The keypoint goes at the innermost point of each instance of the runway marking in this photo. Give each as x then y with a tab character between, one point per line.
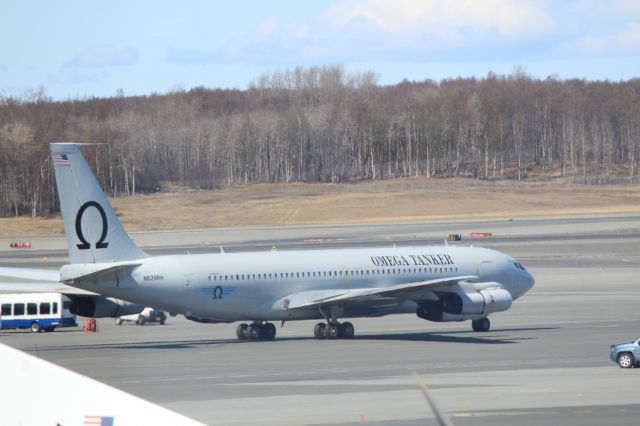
512	413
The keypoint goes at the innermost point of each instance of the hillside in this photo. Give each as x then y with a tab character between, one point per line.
412	199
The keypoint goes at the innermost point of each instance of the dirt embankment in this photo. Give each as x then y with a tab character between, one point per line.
413	199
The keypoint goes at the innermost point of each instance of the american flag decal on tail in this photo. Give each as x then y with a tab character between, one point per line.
98	421
60	159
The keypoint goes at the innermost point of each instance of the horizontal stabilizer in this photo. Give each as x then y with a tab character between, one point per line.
48	275
76	273
43	287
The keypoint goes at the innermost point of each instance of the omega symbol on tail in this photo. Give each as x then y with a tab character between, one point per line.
105	227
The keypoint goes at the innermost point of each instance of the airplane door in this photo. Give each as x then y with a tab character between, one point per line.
477	269
188	284
348	281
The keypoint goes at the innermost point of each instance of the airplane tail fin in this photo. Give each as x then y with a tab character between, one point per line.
94	233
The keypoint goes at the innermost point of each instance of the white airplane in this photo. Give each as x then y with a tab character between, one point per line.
109	275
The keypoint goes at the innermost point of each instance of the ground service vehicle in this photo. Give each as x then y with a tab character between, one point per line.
626	355
146	316
37	311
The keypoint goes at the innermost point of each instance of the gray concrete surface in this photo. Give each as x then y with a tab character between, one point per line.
544	361
380	232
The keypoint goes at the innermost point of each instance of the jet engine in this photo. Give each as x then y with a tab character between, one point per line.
102	307
460	306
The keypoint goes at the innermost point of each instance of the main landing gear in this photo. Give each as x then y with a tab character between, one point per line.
256	331
482	324
334	330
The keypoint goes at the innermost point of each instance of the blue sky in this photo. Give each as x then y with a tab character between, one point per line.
76	49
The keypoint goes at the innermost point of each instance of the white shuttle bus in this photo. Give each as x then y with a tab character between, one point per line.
37	311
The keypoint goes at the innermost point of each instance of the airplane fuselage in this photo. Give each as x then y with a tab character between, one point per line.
259	285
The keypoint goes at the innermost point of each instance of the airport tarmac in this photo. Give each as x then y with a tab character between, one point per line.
544	361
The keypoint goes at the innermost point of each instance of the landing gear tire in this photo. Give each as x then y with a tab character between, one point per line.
35	327
118	321
482	324
254	332
625	360
268	331
348	330
241	331
333	331
319	331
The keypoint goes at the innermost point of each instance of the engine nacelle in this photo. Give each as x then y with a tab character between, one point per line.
102	307
457	307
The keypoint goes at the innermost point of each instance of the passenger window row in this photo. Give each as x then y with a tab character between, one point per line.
332	274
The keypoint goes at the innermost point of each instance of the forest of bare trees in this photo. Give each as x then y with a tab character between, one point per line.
321	124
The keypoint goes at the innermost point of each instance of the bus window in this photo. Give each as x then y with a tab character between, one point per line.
66	305
32	309
18	309
45	308
55	307
6	309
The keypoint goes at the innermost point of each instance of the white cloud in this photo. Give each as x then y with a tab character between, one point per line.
75	77
626	40
266	28
191	57
446	19
298	29
616	8
103	56
428	31
352	30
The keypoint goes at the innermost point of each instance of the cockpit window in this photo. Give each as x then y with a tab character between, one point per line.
519	266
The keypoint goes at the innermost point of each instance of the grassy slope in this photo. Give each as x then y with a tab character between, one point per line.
400	200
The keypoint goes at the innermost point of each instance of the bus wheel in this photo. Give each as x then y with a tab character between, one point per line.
35	327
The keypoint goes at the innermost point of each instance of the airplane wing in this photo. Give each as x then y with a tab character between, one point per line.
39	281
96	404
399	291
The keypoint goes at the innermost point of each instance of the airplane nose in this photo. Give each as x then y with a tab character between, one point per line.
529	281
